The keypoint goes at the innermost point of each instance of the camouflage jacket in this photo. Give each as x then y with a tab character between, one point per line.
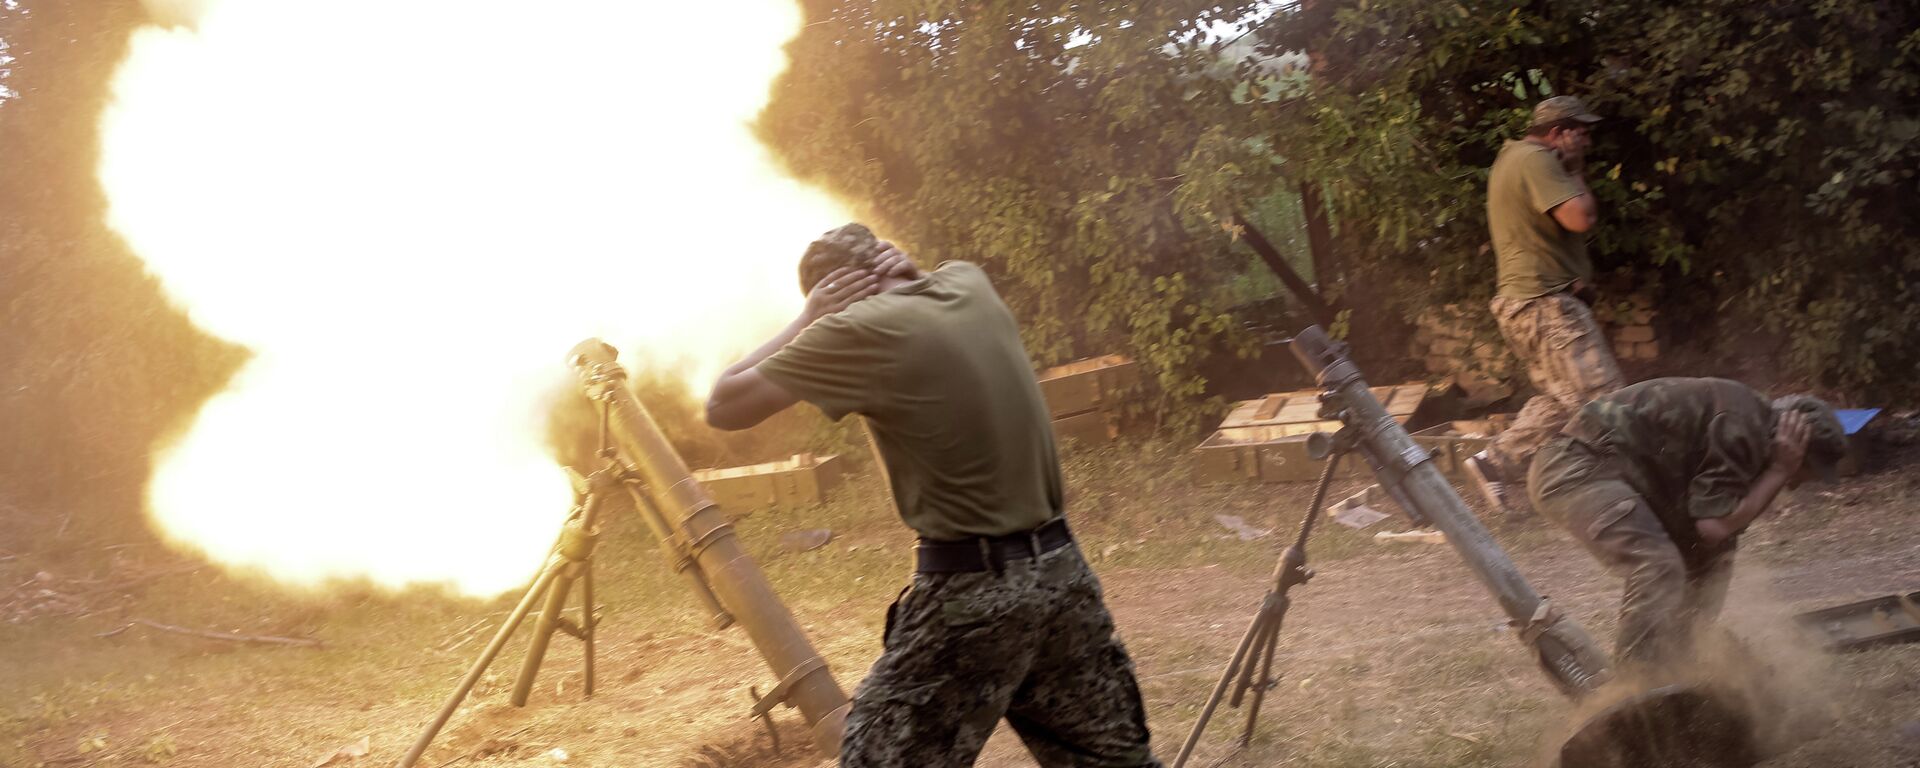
1691	447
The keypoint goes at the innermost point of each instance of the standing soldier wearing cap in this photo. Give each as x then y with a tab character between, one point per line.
1658	480
1003	617
1539	211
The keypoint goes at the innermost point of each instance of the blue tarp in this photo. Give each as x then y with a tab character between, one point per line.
1853	419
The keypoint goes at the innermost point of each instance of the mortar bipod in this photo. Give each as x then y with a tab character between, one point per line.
570	560
1251	668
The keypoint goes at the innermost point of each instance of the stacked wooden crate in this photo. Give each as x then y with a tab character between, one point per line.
1083	396
1452	442
1265	440
792	482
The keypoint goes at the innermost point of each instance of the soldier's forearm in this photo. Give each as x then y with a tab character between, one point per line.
1716	531
781	339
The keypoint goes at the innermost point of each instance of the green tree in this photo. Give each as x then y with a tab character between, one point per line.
1758	163
1045	141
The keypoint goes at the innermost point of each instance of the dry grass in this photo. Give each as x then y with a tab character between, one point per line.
1391	656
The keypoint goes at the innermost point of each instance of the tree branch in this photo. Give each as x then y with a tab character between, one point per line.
1315	305
207	634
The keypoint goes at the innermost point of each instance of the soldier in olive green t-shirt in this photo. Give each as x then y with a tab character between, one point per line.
1539	212
1003	617
1537	253
937	367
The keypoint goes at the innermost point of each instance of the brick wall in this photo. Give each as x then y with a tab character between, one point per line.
1628	323
1460	343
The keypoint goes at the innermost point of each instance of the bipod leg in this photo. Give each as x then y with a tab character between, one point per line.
1257	646
1265	657
543	629
1261	642
519	614
574	548
1254	630
587	621
588	500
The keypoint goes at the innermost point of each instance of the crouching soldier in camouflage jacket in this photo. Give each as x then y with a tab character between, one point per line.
1003	617
1659	479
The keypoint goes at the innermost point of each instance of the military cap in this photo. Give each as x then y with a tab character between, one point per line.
1826	439
1562	108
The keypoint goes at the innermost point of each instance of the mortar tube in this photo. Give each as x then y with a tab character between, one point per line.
1564	649
736	579
678	558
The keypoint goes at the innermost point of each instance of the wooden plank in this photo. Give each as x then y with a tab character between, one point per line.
1089	427
1269	407
1303	407
796	481
1262	454
1085	385
1299	410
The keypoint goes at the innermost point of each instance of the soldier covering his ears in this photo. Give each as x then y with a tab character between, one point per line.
1539	212
1003	618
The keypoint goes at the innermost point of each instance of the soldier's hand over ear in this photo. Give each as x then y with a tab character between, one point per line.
893	262
1790	442
839	290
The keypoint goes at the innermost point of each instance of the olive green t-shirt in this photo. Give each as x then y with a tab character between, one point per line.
1536	256
937	369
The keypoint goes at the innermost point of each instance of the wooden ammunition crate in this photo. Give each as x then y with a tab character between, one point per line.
1299	412
1095	383
1451	443
797	481
1089	427
1261	455
1265	440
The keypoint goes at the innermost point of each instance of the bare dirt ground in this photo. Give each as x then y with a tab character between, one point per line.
1392	656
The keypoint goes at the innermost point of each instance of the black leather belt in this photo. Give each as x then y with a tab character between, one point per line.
990	553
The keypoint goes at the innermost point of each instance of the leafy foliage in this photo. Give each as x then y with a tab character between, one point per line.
1044	141
1758	163
1757	167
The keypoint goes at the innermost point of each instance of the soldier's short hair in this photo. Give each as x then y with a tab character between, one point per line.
848	245
1826	438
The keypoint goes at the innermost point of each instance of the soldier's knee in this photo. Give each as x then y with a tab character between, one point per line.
1656	574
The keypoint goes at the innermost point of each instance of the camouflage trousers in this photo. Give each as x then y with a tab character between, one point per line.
1568	360
1670	591
1033	644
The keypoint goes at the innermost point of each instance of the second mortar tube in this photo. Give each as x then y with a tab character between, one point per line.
1568	654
